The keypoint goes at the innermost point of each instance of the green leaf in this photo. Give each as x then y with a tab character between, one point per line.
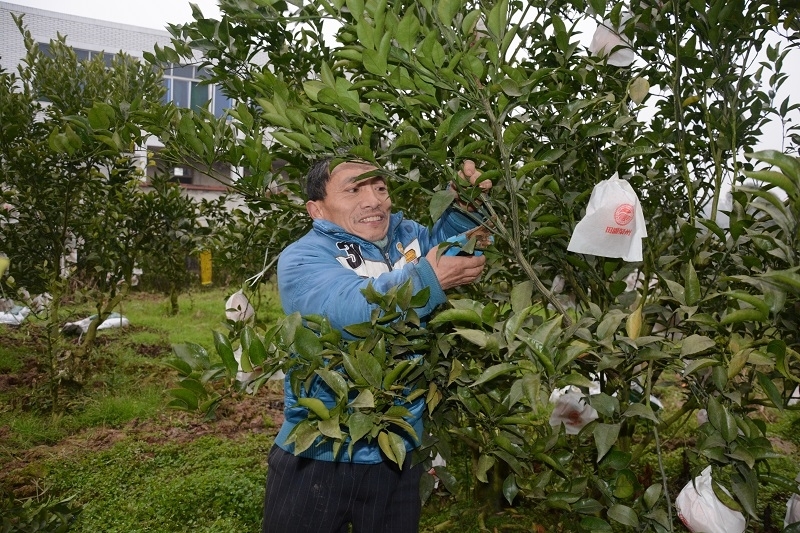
745	492
511	88
312	88
223	346
256	351
652	495
364	400
498	19
100	115
182	367
773	178
625	484
356	8
695	344
596	129
470	21
407	31
188	397
699	364
192	354
475	336
642	411
495	371
447	10
691	287
370	368
304	436
307	344
449	481
605	436
599	7
457	315
440	201
588	506
335	381
421	298
458	122
624	515
756	301
330	428
393	446
374	62
789	165
301	140
742	315
721	419
637	151
610	324
788	279
521	296
510	488
770	390
359	425
362	330
595	525
604	404
485	463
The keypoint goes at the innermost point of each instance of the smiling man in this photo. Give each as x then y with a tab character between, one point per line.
355	240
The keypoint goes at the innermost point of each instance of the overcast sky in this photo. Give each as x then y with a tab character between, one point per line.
147	13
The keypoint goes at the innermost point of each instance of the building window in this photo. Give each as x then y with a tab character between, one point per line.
81	53
185	89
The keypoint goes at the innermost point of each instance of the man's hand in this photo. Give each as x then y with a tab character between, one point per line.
470	173
455	270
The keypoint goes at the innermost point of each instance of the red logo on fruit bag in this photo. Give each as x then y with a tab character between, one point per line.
624	214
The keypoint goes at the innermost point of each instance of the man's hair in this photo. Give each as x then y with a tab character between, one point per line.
317	179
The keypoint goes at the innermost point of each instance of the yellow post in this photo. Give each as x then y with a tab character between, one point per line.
205	267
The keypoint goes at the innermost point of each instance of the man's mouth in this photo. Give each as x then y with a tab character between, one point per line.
371	219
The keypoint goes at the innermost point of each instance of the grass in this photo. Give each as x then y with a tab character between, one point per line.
127	462
210	484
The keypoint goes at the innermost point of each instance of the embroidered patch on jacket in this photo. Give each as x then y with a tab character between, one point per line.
411	253
354	260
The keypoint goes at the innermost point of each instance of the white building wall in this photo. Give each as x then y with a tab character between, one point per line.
80	32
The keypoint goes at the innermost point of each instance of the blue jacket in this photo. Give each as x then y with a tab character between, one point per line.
324	272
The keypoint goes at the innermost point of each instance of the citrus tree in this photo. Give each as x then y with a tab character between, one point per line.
419	87
78	219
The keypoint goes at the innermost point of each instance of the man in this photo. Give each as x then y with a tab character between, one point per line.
355	240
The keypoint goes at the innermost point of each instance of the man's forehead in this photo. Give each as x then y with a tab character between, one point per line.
350	172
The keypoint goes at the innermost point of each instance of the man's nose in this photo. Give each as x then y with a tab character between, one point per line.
371	198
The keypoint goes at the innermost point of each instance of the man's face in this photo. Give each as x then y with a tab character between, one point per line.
360	206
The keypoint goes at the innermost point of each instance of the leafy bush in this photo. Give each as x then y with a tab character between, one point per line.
34	515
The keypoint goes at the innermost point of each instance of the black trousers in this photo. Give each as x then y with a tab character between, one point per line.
310	496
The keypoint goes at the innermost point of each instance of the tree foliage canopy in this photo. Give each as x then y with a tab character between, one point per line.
419	87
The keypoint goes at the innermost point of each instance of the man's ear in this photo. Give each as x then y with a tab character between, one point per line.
314	209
